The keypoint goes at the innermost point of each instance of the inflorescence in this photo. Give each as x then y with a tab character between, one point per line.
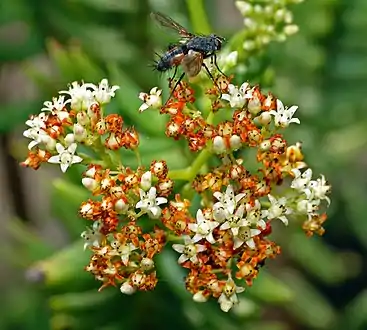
136	213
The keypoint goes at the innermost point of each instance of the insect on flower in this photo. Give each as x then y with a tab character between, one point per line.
190	52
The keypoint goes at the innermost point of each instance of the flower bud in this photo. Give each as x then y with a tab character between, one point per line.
121	206
199	297
80	133
49	142
218	145
147	264
291	29
69	139
265	145
235	142
146	180
82	118
264	119
127	288
90	184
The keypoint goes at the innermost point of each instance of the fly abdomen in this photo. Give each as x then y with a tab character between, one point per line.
171	58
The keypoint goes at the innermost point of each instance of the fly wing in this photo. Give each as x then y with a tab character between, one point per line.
192	63
169	23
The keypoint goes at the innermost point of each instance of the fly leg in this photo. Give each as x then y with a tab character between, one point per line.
214	60
177	83
212	78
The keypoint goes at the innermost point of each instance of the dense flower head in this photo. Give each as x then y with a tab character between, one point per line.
225	241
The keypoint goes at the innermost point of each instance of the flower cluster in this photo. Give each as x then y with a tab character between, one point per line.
135	213
76	118
266	21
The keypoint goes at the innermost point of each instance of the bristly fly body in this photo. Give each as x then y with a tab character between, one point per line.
190	52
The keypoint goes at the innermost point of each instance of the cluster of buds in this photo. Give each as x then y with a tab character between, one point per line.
266	21
136	213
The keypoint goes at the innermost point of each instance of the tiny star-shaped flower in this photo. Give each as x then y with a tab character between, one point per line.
66	156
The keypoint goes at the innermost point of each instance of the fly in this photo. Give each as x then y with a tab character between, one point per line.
190	52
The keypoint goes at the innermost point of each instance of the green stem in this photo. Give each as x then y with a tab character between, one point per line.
190	172
198	17
138	157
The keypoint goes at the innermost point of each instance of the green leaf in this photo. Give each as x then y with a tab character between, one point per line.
355	316
64	270
16	113
329	266
65	204
269	289
88	300
29	244
308	305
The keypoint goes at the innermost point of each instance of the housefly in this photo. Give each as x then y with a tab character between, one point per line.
189	52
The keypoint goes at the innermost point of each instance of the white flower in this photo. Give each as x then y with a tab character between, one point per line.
57	107
254	215
153	99
226	204
308	207
235	221
92	236
203	229
319	188
245	235
103	93
81	97
301	180
122	250
283	116
36	131
189	250
149	202
237	97
65	157
228	298
277	209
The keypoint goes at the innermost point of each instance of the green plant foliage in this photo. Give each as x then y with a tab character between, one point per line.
323	69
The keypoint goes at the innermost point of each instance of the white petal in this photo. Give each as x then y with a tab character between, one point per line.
139	205
76	159
182	258
160	200
64	167
226	97
60	148
143	107
251	243
200	248
199	216
238	242
193	227
210	238
54	159
197	238
225	226
284	220
155	211
178	247
32	144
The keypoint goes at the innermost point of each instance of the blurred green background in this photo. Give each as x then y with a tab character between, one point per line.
317	283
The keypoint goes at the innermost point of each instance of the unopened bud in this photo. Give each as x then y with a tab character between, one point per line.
127	288
90	184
